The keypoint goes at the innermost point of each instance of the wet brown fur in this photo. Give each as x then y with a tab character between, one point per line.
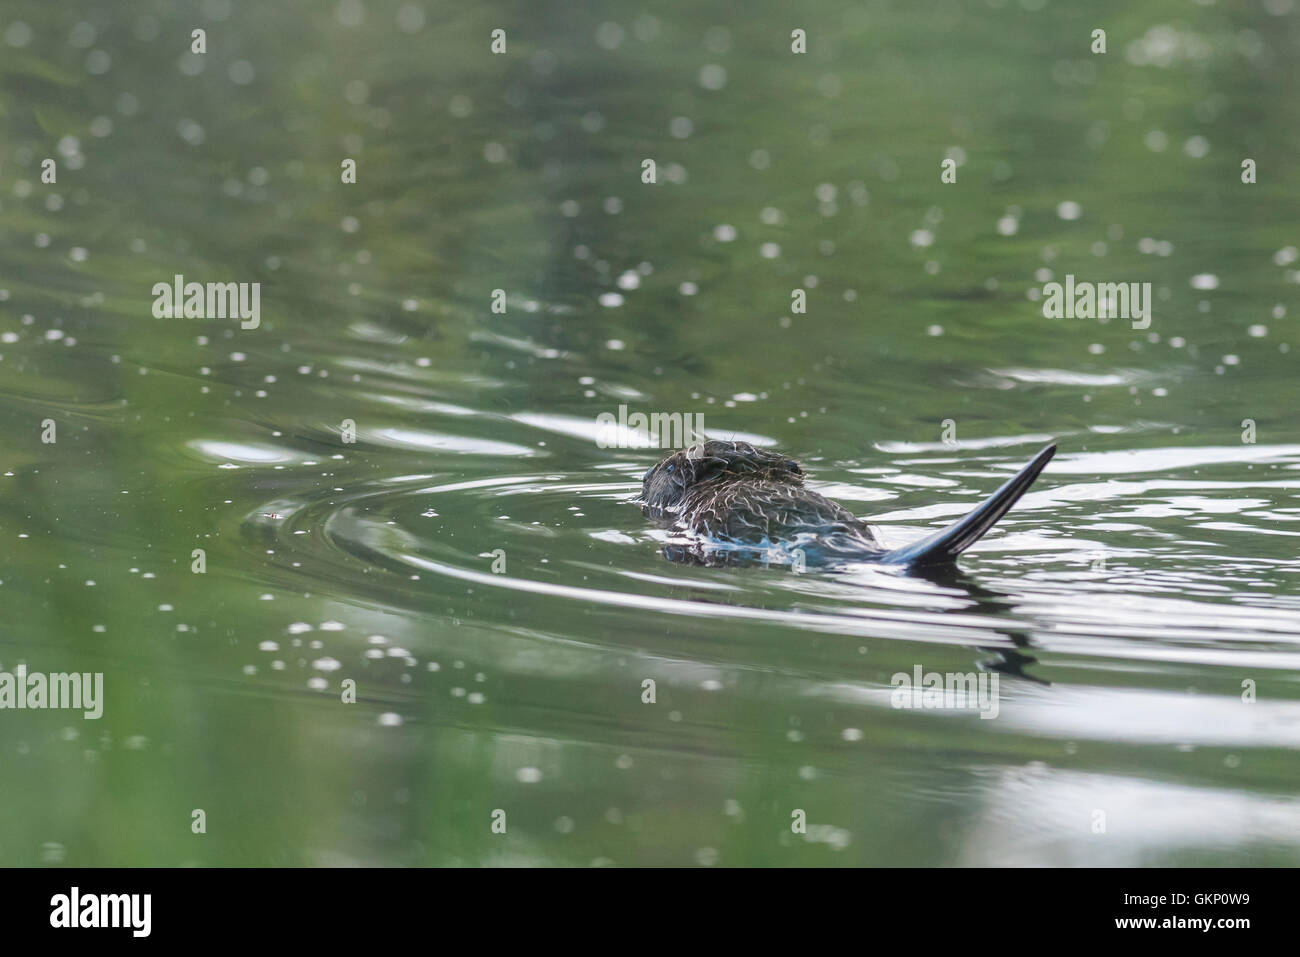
732	493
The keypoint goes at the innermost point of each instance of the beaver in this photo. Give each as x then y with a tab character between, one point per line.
733	502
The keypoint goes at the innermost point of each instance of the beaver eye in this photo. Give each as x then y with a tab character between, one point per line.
670	468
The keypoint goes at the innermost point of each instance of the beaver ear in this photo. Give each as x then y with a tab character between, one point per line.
709	467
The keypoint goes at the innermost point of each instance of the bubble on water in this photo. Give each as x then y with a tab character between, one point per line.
331	626
18	34
350	13
1157	141
724	233
769	250
680	127
1205	280
1069	210
1196	147
410	18
851	734
1008	225
191	132
688	289
921	238
390	719
609	36
630	279
356	92
528	775
611	299
241	73
98	62
713	76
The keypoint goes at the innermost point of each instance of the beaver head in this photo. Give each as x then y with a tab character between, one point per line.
664	486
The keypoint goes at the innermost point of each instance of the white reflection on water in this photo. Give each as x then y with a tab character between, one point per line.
442	442
1036	815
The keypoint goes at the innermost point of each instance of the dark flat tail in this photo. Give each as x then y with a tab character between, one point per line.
944	546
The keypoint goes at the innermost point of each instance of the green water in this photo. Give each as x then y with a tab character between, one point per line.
1150	573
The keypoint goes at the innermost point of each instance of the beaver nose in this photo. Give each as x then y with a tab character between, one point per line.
647	473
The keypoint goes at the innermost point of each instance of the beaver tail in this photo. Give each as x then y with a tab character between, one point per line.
944	546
